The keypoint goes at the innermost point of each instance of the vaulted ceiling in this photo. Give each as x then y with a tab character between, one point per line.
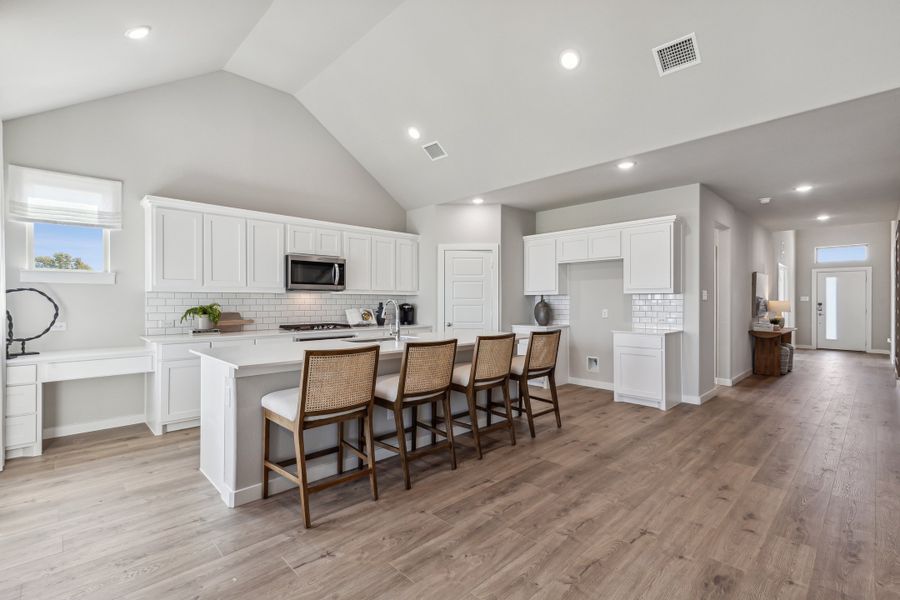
483	78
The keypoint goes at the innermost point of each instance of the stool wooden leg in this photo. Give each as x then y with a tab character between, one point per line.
433	422
301	476
473	416
415	427
361	436
555	398
526	398
340	448
370	451
401	442
265	480
509	418
489	402
448	424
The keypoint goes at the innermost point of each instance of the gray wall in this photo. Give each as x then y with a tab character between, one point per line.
515	307
878	236
593	287
217	138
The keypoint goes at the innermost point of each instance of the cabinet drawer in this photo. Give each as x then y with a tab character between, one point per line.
104	367
228	344
21	430
21	400
182	351
17	374
637	340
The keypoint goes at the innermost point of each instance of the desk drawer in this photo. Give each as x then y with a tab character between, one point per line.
21	431
182	351
21	400
18	374
103	367
638	340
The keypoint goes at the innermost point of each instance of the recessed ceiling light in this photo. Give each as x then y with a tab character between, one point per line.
414	133
478	200
803	188
626	165
137	33
569	59
823	217
765	200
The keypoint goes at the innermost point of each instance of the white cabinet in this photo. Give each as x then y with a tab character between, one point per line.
175	252
23	414
304	239
180	388
407	265
265	255
652	262
358	268
384	265
647	368
605	245
562	356
542	275
572	248
224	252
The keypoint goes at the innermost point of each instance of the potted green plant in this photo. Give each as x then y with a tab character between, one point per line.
207	315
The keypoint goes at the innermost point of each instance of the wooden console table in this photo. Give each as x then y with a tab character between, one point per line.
767	350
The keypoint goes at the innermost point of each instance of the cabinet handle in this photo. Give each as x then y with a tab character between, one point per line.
334	273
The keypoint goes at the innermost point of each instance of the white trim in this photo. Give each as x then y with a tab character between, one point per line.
593	228
494	249
593	383
61	276
879	351
804	347
814	325
734	380
64	430
702	398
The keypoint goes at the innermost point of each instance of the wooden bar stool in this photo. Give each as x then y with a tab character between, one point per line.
424	378
539	361
489	369
336	386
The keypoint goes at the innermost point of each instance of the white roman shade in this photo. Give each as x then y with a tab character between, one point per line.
50	197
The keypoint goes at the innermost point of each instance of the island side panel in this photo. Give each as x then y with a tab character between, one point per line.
215	398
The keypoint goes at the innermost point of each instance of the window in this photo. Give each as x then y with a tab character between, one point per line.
840	254
68	219
831	308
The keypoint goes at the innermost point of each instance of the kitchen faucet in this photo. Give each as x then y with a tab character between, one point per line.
396	321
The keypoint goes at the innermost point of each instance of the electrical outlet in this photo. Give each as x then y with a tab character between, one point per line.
604	313
804	298
704	295
593	364
59	326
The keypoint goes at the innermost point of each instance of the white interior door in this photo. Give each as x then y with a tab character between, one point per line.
841	310
468	291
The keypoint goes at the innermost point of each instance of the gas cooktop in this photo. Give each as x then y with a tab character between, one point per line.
314	326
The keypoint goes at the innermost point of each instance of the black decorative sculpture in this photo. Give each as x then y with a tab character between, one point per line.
10	338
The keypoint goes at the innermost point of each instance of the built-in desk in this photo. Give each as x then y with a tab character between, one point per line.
25	375
767	350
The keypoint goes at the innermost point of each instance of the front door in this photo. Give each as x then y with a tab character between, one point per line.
841	310
468	291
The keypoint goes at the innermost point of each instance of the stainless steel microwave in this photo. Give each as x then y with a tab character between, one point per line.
311	272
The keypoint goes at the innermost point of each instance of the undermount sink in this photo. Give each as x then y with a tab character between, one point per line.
403	338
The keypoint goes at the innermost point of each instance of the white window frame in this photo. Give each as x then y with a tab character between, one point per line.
29	274
837	262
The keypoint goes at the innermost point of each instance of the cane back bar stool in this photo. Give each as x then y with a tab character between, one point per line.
489	369
336	386
424	378
539	361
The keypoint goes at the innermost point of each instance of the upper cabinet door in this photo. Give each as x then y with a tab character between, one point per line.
328	242
605	245
265	255
301	239
572	248
541	270
177	250
224	252
407	265
358	268
384	266
649	254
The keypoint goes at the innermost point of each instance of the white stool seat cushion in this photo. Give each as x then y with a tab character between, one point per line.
387	387
286	403
518	365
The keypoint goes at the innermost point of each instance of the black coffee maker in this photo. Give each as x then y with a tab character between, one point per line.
407	314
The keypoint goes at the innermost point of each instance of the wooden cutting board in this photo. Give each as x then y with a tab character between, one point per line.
231	322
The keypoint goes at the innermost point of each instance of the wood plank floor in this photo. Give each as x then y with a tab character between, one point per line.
778	488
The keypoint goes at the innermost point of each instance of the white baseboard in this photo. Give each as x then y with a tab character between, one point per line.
804	347
704	397
734	380
878	351
64	430
592	383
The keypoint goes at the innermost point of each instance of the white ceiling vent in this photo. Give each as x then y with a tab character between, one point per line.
677	55
434	151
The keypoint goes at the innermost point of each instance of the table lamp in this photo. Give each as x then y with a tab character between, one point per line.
779	307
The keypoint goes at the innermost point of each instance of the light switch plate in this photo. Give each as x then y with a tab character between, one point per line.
804	298
59	326
604	314
704	295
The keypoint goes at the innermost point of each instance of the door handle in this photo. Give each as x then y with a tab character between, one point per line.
448	324
335	273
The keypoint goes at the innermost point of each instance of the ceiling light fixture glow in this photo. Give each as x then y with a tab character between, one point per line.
765	200
138	33
823	217
478	200
569	59
803	188
414	133
626	165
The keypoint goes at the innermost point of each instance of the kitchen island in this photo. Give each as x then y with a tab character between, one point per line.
233	381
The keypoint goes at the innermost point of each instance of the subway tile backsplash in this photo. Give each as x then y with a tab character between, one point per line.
560	306
163	310
657	310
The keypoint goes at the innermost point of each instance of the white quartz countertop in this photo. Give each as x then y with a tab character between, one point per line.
276	354
81	354
649	330
267	333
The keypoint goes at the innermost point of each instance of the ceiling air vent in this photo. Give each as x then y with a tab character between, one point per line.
677	54
434	151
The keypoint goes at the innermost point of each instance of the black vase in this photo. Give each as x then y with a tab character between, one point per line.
543	314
